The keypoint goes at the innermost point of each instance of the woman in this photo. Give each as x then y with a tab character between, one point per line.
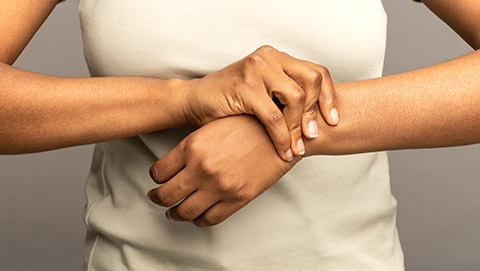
328	212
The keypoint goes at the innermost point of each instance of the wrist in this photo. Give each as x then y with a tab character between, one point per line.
177	91
333	140
328	142
260	136
355	132
193	110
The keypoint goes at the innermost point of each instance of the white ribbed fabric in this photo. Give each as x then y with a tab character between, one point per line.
328	213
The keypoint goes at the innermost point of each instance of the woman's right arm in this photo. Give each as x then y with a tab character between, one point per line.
39	112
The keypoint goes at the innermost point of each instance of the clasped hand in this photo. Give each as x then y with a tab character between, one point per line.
228	162
248	86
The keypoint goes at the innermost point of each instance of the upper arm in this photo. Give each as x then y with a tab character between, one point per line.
19	20
463	16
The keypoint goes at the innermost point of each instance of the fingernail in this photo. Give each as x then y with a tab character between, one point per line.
289	155
334	115
167	215
313	129
300	147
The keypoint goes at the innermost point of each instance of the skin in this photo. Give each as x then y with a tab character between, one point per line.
39	112
215	191
431	107
43	112
252	82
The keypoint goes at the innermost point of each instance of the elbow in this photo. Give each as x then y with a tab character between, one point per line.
475	43
474	38
8	59
9	55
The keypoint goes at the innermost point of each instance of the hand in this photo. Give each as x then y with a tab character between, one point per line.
248	86
219	168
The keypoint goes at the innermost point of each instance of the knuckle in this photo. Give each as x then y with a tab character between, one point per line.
266	49
331	94
294	127
311	104
212	219
253	61
183	185
298	95
310	107
310	114
323	70
207	168
243	195
224	186
275	118
329	101
315	77
185	214
192	144
163	199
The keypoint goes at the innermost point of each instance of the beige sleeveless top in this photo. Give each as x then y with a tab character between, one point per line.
327	213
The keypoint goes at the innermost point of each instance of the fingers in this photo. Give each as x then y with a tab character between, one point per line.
310	80
192	207
318	85
301	86
290	94
309	117
173	191
327	99
167	166
217	213
273	120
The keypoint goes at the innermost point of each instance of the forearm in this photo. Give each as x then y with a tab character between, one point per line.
39	112
432	107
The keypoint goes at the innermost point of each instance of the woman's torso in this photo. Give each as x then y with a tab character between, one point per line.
328	213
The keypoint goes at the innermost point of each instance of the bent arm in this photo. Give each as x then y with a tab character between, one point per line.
435	106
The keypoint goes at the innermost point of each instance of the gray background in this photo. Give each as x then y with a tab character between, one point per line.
41	195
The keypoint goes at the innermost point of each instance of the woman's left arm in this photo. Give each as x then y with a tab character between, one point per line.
436	106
